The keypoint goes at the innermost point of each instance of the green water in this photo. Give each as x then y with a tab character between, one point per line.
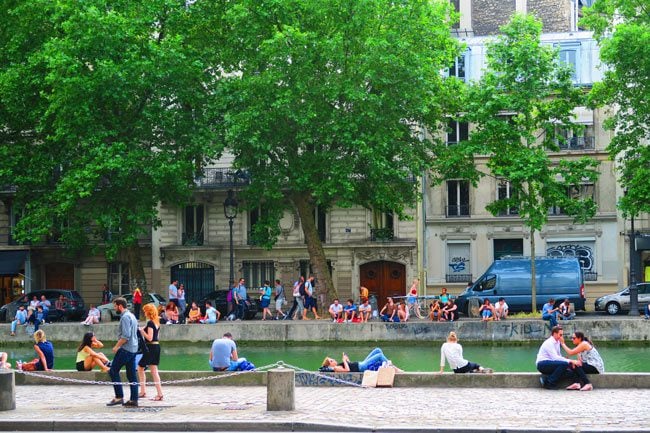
416	357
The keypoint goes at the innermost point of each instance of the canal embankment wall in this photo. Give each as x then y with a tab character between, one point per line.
599	329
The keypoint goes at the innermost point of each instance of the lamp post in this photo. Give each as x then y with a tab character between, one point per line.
230	212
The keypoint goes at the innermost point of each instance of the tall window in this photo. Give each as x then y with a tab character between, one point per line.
255	273
193	225
504	192
457	198
456	6
457	132
570	55
118	278
458	263
458	68
583	191
320	218
584	139
306	269
254	216
382	228
508	247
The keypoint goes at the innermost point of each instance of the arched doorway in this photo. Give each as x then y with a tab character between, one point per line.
197	277
383	279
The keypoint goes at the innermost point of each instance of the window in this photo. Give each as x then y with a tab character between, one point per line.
456	5
382	226
582	192
320	219
506	192
458	263
254	216
583	139
193	225
457	132
457	198
570	55
255	273
583	250
118	278
508	247
458	68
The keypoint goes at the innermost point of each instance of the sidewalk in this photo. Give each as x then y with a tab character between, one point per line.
65	407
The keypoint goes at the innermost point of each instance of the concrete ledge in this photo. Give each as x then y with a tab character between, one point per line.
598	328
402	380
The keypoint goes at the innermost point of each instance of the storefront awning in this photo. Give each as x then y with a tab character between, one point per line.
12	262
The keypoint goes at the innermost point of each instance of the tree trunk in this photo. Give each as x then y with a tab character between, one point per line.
533	293
136	270
306	208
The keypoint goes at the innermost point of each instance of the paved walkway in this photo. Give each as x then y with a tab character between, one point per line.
210	408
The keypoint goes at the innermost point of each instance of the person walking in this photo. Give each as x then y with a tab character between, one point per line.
125	350
296	308
242	297
280	300
151	356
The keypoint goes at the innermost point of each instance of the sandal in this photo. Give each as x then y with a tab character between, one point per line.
143	395
157	398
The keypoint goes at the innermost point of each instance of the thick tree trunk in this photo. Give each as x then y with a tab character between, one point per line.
533	273
136	269
306	208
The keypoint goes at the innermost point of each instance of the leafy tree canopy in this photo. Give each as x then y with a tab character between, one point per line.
622	28
323	100
105	113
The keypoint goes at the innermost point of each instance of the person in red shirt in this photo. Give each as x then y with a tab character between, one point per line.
137	302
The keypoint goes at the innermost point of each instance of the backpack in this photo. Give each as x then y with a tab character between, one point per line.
302	290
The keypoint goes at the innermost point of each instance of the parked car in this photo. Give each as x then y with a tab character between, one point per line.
620	301
108	310
74	307
218	299
510	277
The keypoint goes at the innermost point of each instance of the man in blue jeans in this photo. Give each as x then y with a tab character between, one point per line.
550	313
125	350
550	361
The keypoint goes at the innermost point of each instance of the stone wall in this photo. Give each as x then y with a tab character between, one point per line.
489	15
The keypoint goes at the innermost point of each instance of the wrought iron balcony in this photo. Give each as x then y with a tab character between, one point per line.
590	276
458	278
216	178
385	234
577	143
192	239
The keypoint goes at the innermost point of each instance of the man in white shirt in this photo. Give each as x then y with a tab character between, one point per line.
501	309
336	310
173	292
550	361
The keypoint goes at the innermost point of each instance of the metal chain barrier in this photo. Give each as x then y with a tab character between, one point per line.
279	364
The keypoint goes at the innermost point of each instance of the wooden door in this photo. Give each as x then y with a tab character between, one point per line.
59	276
383	279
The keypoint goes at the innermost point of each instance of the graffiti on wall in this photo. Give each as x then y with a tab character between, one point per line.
458	264
583	253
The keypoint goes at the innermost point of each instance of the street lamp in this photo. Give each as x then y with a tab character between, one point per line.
230	212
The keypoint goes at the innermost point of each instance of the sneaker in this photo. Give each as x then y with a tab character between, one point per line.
573	387
130	403
334	321
116	401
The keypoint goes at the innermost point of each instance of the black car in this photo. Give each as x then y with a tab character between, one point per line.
218	300
74	307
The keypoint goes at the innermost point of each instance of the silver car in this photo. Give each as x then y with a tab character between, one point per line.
108	310
620	301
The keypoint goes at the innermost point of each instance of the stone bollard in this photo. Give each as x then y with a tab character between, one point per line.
7	390
280	389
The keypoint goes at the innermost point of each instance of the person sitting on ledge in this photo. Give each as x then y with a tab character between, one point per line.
450	311
501	309
3	360
365	310
487	311
452	351
373	361
592	362
567	311
552	364
336	310
550	313
44	352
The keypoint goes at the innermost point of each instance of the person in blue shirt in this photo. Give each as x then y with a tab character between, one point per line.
349	311
44	360
242	297
550	313
20	319
265	300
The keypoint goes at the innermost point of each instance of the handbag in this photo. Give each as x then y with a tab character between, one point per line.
142	345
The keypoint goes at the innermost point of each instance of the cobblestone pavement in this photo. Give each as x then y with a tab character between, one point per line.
449	409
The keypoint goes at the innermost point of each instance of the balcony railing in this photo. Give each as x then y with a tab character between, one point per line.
385	234
590	275
577	143
457	211
192	239
215	178
458	278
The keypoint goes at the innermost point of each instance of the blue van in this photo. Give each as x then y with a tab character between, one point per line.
510	278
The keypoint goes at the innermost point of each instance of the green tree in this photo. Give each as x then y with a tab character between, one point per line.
518	107
622	28
323	101
104	113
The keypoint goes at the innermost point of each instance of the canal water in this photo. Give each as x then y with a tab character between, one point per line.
416	356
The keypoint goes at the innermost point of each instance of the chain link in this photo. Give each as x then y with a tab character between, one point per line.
279	364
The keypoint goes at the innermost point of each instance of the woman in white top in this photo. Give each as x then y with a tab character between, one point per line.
592	363
452	351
